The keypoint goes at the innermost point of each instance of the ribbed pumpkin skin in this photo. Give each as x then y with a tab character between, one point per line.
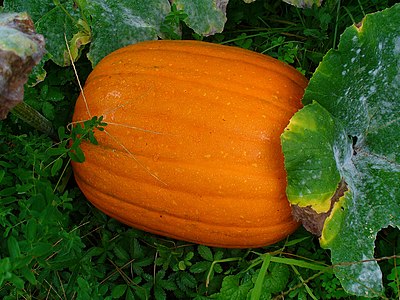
192	147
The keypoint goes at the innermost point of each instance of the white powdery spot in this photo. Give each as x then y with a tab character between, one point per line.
104	6
131	20
369	271
387	107
372	89
396	42
376	71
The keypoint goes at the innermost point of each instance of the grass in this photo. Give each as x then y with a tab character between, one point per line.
55	245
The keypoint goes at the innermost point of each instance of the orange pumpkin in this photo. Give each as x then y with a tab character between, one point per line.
192	146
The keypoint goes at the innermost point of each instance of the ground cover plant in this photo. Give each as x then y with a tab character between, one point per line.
55	245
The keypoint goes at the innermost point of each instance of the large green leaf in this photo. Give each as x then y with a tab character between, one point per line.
354	105
205	17
113	24
108	25
36	9
119	23
55	21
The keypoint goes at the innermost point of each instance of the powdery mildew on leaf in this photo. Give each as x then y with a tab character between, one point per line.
53	21
119	23
205	17
359	85
367	269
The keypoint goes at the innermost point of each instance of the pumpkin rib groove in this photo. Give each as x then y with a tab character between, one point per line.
209	131
234	52
180	191
153	74
226	241
228	132
144	184
249	138
209	161
207	85
272	183
176	216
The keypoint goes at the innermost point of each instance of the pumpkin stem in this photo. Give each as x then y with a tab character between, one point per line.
34	118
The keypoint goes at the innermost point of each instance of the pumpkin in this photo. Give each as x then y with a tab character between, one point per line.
191	149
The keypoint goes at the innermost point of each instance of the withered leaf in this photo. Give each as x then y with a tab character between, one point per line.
21	48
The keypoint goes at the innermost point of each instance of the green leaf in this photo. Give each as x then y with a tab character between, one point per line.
36	8
168	285
29	275
171	26
119	23
129	295
48	110
357	88
205	252
2	173
277	278
181	265
57	165
31	229
205	17
23	188
16	281
5	267
200	267
309	144
38	73
304	3
78	155
258	286
41	249
13	247
121	253
62	134
118	291
159	293
8	191
232	289
188	280
55	22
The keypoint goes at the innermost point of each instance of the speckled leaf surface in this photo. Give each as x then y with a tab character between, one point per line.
313	176
304	3
107	25
54	22
119	23
205	17
357	88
